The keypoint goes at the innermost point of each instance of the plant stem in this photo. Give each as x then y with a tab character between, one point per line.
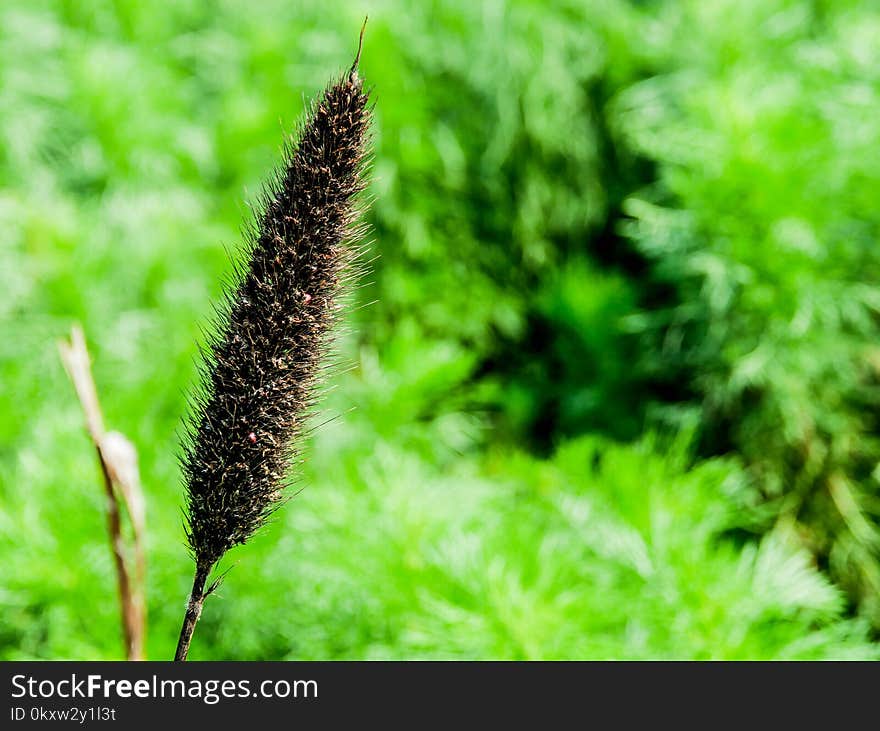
121	484
131	619
193	611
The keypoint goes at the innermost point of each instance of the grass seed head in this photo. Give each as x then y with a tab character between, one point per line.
261	367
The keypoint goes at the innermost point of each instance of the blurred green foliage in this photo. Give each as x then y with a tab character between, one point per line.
596	223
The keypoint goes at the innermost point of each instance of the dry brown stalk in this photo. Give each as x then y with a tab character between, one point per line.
118	459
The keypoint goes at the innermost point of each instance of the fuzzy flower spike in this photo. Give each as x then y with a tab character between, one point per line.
261	368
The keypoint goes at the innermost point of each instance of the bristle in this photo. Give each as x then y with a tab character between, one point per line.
263	364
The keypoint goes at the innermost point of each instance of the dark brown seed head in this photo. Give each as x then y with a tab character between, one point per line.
261	368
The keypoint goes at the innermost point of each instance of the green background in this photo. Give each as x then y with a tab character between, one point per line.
616	392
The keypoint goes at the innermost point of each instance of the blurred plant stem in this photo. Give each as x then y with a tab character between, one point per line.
118	459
